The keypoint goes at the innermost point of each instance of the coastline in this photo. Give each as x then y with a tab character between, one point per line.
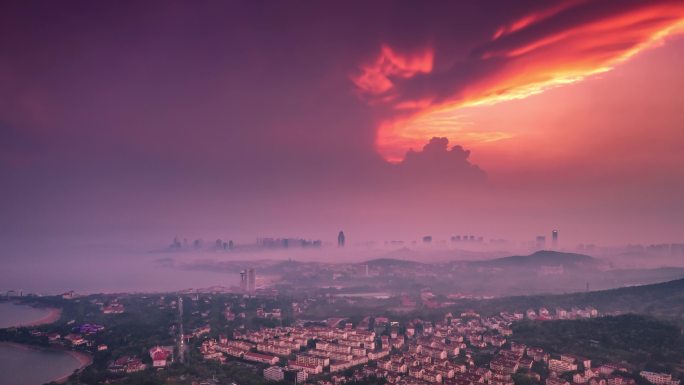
84	360
53	316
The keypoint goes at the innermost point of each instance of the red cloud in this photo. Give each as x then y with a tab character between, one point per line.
547	48
376	77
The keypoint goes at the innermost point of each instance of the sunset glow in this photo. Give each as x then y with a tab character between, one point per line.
520	67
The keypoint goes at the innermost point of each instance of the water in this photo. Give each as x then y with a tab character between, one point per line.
13	315
27	366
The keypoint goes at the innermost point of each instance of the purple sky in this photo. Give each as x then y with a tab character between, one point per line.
143	120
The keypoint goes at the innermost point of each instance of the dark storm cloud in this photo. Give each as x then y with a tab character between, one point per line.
437	161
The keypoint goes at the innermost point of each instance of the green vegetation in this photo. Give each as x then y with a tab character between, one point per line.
663	300
643	342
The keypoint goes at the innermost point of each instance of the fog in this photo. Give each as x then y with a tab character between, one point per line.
57	265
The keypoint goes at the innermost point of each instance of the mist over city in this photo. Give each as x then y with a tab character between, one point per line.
342	192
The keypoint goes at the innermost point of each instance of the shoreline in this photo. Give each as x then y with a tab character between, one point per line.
84	359
53	316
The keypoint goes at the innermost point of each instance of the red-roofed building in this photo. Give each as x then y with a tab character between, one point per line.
263	358
160	355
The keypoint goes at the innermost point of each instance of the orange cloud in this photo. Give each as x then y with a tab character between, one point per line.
535	17
523	58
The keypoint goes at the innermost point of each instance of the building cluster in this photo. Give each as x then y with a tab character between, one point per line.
248	281
81	335
126	364
197	332
433	353
449	351
113	308
160	356
543	314
274	313
315	349
284	243
659	378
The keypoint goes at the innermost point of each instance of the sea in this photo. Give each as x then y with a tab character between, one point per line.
12	314
21	365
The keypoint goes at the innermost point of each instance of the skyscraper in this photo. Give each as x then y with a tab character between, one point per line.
340	239
243	281
554	239
251	281
541	242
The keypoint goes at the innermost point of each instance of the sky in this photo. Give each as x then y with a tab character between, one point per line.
133	122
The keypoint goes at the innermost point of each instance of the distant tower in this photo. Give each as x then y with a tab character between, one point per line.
340	239
251	280
541	242
554	239
243	281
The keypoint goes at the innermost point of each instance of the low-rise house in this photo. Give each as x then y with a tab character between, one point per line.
262	358
160	355
75	339
126	364
113	308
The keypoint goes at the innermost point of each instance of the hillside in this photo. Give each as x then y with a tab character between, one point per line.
663	300
643	342
391	262
540	258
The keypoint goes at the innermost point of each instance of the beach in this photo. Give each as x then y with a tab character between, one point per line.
49	318
84	361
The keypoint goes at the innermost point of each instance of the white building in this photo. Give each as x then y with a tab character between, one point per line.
274	373
659	378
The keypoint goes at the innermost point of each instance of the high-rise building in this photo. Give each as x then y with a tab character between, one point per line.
554	239
541	242
340	239
251	280
243	281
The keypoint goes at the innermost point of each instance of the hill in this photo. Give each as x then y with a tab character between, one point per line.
541	258
663	300
391	262
643	342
